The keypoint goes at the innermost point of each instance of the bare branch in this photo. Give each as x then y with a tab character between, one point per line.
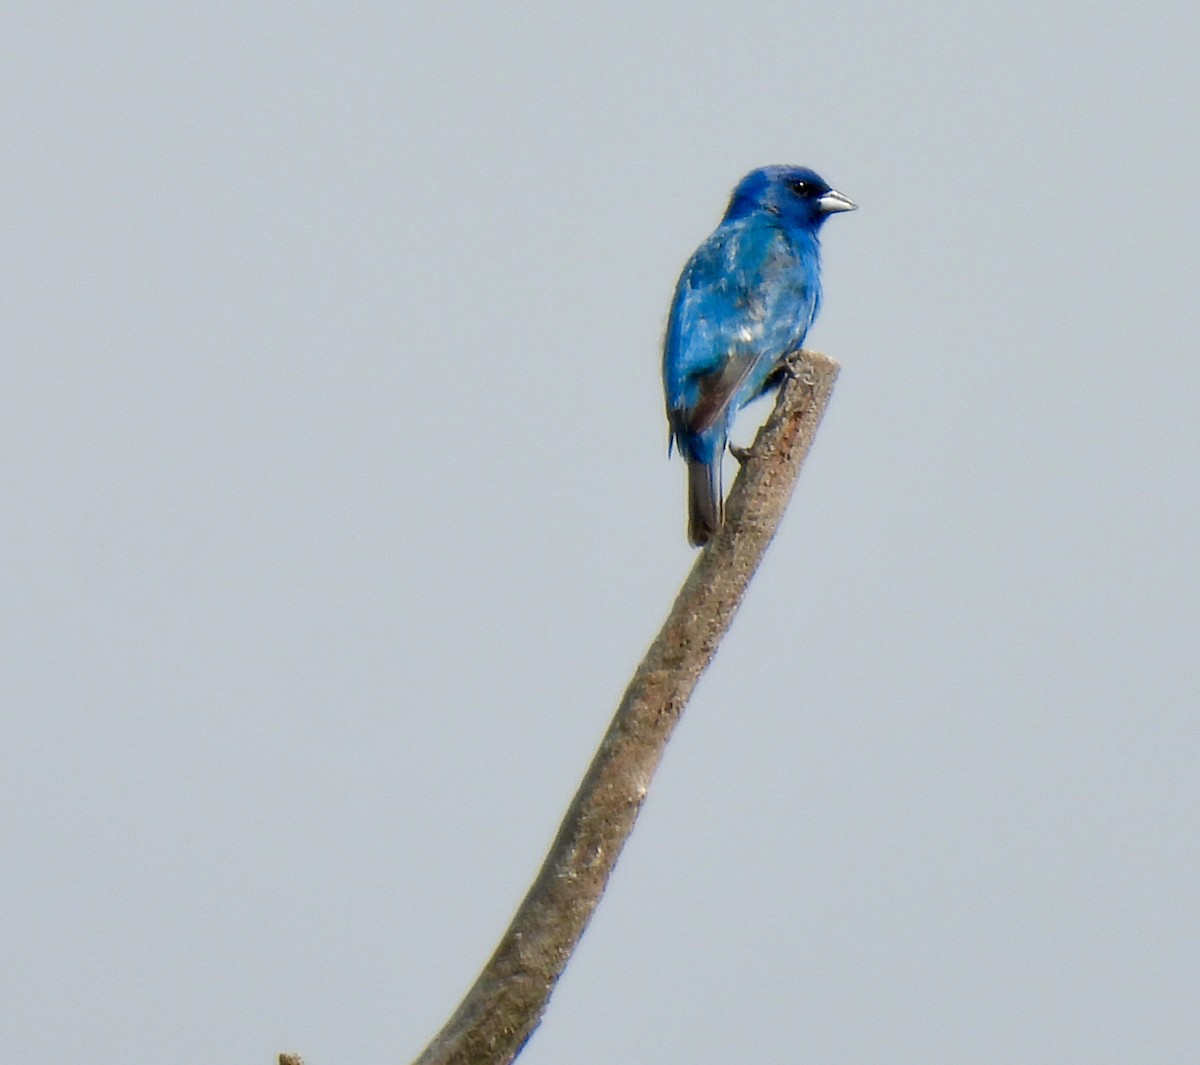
508	999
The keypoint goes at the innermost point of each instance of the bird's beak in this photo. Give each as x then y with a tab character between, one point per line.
833	202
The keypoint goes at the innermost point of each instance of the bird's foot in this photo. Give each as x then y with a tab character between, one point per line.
793	364
789	366
742	454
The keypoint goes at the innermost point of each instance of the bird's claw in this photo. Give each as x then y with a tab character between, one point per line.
742	454
791	366
794	364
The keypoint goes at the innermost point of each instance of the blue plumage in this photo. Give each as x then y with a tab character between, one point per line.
744	300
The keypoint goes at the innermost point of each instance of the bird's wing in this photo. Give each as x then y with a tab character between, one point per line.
717	389
739	305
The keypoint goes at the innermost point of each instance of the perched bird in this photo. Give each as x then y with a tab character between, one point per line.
745	299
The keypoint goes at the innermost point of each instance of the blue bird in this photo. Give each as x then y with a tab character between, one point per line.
745	299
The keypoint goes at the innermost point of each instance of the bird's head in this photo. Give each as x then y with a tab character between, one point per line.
800	197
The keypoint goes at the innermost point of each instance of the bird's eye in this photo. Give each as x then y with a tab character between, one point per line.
801	188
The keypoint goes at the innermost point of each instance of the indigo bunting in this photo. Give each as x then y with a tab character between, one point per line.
745	299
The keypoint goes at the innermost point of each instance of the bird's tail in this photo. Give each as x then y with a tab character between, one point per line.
706	503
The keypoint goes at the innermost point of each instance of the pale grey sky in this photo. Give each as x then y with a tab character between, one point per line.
338	512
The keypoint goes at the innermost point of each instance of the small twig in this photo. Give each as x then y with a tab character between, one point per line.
508	999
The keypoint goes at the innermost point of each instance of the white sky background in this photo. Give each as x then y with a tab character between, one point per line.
338	512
